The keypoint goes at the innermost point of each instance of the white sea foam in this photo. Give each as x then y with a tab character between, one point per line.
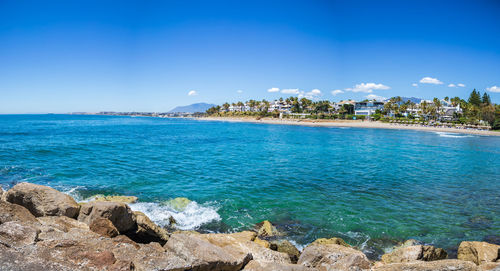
453	135
191	217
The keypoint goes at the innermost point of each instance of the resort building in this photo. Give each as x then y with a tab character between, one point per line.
367	108
280	106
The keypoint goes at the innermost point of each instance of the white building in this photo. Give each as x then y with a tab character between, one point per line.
367	108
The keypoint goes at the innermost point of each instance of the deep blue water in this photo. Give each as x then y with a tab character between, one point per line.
371	187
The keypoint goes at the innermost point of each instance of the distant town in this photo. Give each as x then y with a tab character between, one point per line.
477	111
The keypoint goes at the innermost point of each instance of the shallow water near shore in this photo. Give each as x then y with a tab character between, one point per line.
372	187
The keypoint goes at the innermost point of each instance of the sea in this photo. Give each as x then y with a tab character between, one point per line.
371	187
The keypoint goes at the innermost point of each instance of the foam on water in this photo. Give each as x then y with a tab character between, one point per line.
453	135
192	217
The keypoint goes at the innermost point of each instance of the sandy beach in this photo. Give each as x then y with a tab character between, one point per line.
352	123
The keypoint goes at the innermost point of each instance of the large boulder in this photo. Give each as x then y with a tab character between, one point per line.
13	234
333	257
414	253
60	223
269	266
441	265
203	255
490	266
118	213
104	227
148	231
285	246
478	252
42	200
14	212
243	243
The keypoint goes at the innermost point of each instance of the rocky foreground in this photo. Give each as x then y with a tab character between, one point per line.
44	229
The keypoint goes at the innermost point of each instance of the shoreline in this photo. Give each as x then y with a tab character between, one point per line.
352	124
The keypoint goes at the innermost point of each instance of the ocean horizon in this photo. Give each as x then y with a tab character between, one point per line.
371	187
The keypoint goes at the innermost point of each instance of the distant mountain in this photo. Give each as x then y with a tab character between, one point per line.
193	108
412	99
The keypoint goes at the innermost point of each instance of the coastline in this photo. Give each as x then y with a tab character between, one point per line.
351	123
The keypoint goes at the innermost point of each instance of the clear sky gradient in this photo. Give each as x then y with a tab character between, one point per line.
68	56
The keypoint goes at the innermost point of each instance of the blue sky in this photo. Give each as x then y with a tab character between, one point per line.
67	56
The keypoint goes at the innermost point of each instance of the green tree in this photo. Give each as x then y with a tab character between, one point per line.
486	99
475	98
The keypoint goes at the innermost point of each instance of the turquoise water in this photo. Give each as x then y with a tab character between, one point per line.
371	187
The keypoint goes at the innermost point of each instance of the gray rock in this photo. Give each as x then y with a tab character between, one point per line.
440	265
268	266
15	235
333	257
414	253
203	255
14	212
42	200
478	252
118	213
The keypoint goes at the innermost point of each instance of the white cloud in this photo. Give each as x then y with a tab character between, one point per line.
415	84
273	90
461	85
493	89
452	86
367	87
375	97
430	80
192	93
290	91
336	92
315	92
239	91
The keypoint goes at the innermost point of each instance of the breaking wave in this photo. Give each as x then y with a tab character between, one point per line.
453	135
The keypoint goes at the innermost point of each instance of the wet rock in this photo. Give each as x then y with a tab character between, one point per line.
266	229
147	231
42	200
122	199
441	265
263	243
203	255
15	235
285	246
178	204
330	241
104	227
118	213
478	252
14	212
410	253
269	266
333	257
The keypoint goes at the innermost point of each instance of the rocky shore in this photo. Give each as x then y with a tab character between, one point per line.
44	229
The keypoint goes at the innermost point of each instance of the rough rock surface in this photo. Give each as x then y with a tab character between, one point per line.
441	265
42	200
14	234
478	252
14	212
285	246
269	266
414	253
61	223
266	229
104	227
333	257
118	213
242	243
122	199
330	241
148	231
204	255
